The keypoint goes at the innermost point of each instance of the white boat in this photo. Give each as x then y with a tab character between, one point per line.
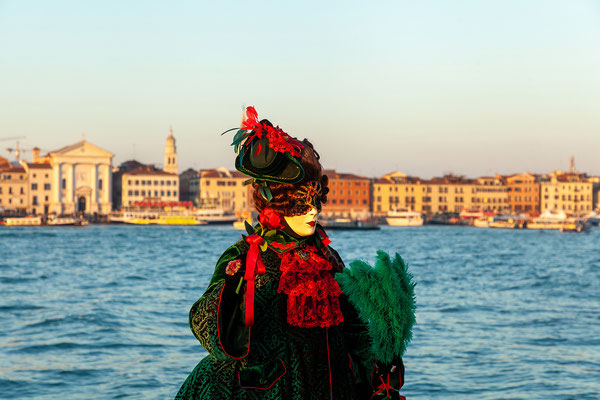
593	218
214	215
505	222
53	220
23	221
404	217
550	220
482	222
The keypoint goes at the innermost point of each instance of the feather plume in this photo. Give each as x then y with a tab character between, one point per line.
385	300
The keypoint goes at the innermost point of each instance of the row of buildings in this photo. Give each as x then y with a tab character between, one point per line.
81	179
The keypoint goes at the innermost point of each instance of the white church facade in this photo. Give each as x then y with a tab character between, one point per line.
81	179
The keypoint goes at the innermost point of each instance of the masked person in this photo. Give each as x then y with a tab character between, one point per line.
274	320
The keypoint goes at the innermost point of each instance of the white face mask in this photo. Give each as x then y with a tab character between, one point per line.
305	224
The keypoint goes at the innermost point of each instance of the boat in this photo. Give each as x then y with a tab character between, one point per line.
557	220
482	222
167	220
576	226
53	220
22	221
506	222
446	219
214	215
404	217
349	224
593	218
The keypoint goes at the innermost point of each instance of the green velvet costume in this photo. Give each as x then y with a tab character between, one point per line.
273	359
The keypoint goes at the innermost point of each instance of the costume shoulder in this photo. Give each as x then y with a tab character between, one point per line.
230	263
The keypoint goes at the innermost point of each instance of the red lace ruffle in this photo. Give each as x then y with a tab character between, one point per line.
312	293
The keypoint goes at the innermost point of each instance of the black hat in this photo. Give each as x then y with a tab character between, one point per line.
267	153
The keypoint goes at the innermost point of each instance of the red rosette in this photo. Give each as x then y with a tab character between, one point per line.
270	219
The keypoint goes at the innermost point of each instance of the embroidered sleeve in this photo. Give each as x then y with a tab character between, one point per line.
216	319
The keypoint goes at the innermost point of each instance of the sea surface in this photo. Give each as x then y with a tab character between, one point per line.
101	312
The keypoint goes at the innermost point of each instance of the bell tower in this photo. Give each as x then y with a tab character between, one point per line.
170	165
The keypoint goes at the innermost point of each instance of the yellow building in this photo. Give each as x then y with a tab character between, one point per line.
490	194
148	184
39	177
225	189
449	193
14	195
570	192
396	191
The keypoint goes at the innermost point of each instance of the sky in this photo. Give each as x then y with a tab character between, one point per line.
426	88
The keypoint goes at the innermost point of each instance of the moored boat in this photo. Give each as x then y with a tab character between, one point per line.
349	224
23	221
403	217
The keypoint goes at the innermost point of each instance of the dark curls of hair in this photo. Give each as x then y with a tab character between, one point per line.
282	201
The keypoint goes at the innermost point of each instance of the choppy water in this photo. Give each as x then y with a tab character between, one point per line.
101	312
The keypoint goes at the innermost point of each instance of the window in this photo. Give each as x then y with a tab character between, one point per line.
22	192
136	193
168	192
155	193
174	192
130	193
45	198
162	192
137	182
100	184
129	181
155	183
46	186
143	182
64	183
168	183
143	192
34	186
35	201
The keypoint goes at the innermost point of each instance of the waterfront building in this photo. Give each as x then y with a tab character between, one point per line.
349	196
490	194
447	194
14	195
523	193
396	190
225	189
170	165
571	192
189	186
81	179
39	178
150	185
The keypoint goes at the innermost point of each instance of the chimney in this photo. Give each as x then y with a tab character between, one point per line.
35	155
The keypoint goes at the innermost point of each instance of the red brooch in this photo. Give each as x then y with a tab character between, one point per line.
233	267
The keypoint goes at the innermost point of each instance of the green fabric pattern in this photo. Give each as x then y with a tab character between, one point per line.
385	298
283	361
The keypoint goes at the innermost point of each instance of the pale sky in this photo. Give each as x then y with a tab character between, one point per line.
426	88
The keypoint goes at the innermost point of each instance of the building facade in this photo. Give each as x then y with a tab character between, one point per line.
225	189
81	179
349	196
39	178
189	186
14	194
148	184
569	192
523	193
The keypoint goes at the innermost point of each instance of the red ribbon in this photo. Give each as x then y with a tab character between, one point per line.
385	386
254	265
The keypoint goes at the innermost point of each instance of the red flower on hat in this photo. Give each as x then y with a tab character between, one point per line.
279	141
270	219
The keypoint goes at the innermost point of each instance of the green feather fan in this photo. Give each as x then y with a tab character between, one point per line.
385	300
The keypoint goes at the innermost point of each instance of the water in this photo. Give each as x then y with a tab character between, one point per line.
101	312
